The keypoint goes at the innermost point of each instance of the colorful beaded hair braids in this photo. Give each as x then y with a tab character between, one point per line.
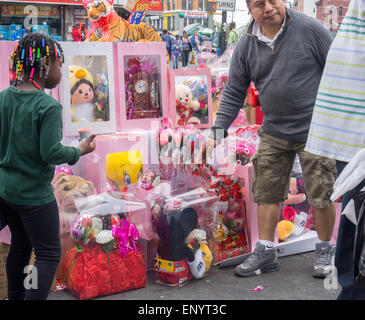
28	55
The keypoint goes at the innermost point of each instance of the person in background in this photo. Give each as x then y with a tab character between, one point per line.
30	148
186	47
175	52
234	34
337	132
196	41
287	82
76	34
83	32
168	41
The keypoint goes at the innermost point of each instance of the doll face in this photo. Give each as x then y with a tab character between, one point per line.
83	94
183	94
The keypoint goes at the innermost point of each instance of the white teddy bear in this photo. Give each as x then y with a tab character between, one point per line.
185	106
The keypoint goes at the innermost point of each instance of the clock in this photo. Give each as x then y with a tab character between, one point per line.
141	86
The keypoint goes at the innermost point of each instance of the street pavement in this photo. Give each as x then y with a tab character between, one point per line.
293	281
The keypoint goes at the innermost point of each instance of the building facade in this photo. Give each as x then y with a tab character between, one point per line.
178	14
306	6
331	13
52	17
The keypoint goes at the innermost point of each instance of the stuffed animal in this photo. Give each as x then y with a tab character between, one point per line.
107	25
82	94
185	105
123	168
173	228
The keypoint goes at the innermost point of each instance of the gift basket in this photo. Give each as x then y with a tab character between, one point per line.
230	224
107	257
185	226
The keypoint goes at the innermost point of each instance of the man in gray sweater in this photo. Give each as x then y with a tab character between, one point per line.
283	53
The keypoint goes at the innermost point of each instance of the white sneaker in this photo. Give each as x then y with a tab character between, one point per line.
197	267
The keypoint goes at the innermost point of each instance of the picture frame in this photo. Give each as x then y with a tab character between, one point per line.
142	86
87	63
197	110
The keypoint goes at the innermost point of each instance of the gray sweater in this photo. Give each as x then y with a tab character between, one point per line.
286	77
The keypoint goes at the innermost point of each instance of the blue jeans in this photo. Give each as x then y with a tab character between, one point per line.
345	249
175	60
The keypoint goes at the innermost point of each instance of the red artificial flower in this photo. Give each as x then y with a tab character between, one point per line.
222	190
231	192
227	181
223	198
238	195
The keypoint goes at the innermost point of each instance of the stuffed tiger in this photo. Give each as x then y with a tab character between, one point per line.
107	25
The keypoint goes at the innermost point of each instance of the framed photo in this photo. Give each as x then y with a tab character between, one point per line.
190	97
87	87
142	85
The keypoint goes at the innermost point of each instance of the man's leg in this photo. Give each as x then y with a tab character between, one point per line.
319	174
273	163
268	218
325	221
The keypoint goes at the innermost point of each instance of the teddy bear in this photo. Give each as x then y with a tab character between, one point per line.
186	105
82	94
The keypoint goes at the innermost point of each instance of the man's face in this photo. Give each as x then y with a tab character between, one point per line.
195	33
268	13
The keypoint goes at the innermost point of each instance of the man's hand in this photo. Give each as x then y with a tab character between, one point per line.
207	150
87	145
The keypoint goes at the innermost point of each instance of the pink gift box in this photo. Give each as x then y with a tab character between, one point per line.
141	84
95	162
6	48
196	109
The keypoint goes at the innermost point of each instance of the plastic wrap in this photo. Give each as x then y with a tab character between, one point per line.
185	226
107	257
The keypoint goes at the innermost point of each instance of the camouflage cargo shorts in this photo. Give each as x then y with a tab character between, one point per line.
273	163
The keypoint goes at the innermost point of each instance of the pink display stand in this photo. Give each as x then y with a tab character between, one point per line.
199	82
135	85
6	48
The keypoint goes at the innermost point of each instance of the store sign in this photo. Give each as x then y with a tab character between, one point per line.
137	17
79	2
148	5
226	5
17	10
193	15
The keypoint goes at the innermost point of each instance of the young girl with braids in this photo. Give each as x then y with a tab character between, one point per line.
30	147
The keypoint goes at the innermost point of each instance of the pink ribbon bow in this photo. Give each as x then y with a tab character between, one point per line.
127	236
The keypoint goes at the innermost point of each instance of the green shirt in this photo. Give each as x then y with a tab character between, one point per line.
30	146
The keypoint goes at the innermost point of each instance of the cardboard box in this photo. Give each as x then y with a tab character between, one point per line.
4	249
